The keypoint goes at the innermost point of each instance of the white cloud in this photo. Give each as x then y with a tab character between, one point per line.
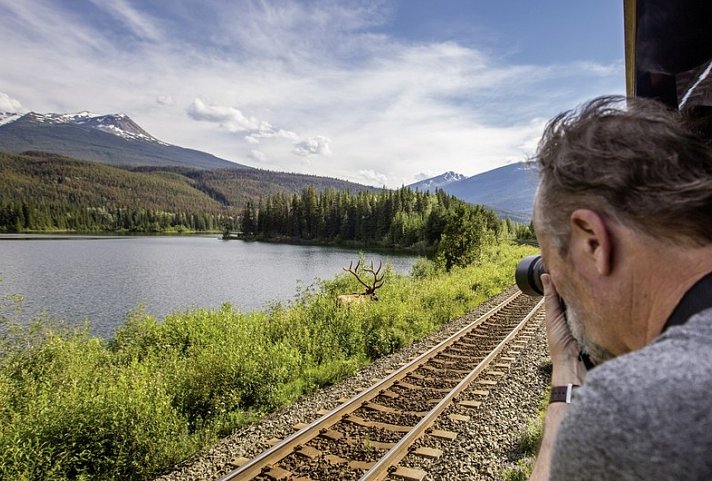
229	118
318	145
233	120
266	131
8	104
373	178
257	156
296	79
165	100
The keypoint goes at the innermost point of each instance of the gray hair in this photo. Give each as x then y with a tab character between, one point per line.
631	160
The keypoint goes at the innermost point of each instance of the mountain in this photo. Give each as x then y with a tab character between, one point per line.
110	139
49	179
509	190
437	182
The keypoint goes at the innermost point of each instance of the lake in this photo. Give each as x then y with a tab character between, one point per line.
103	278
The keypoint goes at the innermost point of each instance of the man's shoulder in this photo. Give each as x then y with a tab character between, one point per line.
674	360
644	415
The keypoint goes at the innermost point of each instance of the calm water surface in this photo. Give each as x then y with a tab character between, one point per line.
104	278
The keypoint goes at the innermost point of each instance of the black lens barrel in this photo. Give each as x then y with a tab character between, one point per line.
528	276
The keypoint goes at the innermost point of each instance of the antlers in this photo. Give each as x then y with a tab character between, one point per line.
377	281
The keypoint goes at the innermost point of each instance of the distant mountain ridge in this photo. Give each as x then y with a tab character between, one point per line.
509	190
113	139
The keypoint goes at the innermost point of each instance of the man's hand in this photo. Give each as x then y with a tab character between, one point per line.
567	369
564	350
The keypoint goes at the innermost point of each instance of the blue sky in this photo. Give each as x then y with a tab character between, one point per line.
378	92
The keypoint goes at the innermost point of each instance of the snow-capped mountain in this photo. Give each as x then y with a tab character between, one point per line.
7	117
111	139
117	124
437	182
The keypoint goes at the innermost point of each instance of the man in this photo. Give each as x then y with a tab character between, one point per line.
623	214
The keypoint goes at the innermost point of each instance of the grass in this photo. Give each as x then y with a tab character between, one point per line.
73	406
528	446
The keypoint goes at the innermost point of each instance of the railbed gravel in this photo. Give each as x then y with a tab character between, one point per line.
486	444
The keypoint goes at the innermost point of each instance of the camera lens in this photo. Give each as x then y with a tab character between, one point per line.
528	276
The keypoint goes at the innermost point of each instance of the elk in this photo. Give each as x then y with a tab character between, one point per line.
370	294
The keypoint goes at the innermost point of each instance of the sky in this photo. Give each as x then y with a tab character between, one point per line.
377	92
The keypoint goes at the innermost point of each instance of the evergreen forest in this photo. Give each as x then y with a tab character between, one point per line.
402	219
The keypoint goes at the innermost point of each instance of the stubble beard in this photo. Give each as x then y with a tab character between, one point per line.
597	353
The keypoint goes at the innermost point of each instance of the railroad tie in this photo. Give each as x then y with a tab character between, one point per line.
408	385
331	434
309	452
441	434
334	459
486	382
458	418
389	394
276	473
430	453
409	474
359	421
238	461
380	408
362	465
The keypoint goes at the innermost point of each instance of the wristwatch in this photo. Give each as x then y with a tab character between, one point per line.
562	394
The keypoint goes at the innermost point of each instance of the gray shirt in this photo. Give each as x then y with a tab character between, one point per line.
646	415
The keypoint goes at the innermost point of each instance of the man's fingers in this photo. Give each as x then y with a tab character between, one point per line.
551	296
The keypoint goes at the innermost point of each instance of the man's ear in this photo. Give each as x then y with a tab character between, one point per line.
592	239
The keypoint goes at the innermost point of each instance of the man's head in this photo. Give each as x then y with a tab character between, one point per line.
614	176
631	160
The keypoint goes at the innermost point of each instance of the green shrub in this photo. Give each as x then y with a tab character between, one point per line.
74	414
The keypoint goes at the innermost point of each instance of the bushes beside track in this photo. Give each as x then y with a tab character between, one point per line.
73	406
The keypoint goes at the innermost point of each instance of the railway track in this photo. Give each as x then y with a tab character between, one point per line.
370	436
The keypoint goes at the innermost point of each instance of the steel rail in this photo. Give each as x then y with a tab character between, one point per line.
381	469
274	454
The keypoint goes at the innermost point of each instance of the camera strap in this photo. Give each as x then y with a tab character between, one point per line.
696	299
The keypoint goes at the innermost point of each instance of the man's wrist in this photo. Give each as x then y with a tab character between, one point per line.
568	371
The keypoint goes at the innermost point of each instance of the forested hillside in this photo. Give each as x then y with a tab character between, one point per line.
406	219
45	192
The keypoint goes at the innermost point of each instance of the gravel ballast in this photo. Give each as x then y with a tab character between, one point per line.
486	443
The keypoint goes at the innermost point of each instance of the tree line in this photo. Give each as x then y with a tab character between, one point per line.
23	216
431	223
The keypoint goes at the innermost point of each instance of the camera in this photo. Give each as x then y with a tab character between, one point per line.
528	275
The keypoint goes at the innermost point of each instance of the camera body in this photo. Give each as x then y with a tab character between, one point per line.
528	275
